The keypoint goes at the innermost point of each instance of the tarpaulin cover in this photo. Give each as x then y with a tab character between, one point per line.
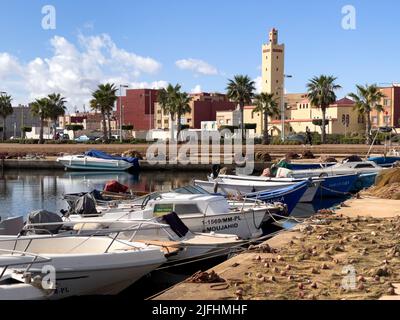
115	186
106	156
44	216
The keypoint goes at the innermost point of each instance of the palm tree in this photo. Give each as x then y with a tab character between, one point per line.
57	108
110	93
103	100
241	91
266	104
168	99
182	107
366	100
96	104
41	108
6	110
321	93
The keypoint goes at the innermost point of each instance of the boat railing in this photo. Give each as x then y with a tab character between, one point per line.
36	259
114	234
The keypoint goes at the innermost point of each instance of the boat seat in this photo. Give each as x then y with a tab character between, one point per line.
168	247
87	226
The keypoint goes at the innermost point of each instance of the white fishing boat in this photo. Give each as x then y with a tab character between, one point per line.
17	288
167	231
98	160
232	185
83	265
344	168
199	212
83	162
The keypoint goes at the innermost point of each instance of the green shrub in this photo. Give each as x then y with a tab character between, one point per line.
127	127
74	127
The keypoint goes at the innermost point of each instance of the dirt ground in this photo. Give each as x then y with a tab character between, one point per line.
338	256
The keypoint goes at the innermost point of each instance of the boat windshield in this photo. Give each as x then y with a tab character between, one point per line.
191	190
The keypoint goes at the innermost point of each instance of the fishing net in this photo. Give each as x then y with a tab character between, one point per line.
387	185
334	258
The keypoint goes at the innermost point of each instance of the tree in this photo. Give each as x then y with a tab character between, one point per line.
318	122
182	107
24	130
57	108
168	99
366	100
6	110
321	93
268	106
74	127
103	101
40	108
241	91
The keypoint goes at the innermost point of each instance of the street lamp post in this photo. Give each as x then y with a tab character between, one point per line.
120	110
283	106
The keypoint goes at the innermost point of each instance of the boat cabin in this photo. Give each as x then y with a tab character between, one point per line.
188	204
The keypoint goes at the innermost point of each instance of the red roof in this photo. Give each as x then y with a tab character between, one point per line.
344	101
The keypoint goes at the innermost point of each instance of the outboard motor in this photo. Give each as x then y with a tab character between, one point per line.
85	205
43	216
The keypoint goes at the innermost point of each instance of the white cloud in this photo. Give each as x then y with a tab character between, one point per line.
149	85
76	70
198	66
8	65
258	84
196	89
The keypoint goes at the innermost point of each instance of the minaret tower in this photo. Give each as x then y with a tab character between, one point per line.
273	64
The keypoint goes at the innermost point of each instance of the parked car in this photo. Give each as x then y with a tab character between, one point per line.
83	138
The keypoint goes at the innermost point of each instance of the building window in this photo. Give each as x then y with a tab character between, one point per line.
374	120
387	102
386	120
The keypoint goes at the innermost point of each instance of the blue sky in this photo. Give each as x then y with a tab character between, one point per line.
147	38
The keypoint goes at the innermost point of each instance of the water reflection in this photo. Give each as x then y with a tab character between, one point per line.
22	191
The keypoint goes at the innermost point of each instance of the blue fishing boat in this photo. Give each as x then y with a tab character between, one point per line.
384	161
336	186
290	195
364	181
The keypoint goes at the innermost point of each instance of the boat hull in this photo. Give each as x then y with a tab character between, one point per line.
94	164
233	187
336	186
289	196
